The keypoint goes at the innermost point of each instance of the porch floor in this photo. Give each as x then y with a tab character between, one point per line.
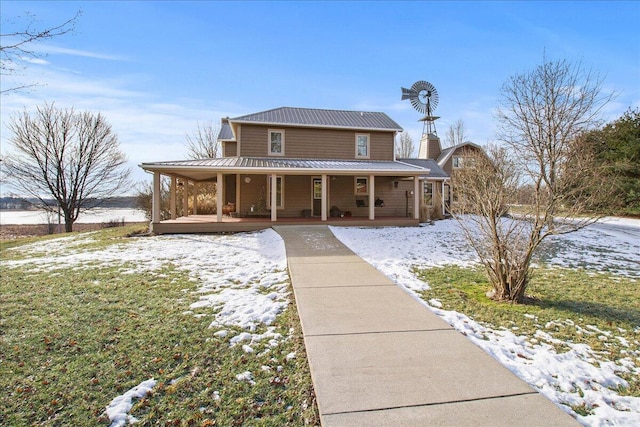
210	224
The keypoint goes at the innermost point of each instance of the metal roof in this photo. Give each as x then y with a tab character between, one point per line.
436	172
205	168
448	152
289	116
282	163
225	133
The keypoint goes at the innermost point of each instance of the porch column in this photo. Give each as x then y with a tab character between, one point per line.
372	197
274	197
416	198
442	196
195	198
155	201
174	182
185	197
323	208
219	197
238	183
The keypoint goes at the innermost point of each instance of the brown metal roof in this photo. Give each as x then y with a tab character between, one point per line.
322	118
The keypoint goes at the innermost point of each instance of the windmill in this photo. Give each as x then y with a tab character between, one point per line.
424	98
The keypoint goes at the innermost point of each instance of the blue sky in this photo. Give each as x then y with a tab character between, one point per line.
157	69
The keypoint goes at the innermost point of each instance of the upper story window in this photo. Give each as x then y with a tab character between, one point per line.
457	162
276	142
362	146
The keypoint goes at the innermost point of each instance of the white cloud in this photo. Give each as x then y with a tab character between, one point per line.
51	49
148	128
37	61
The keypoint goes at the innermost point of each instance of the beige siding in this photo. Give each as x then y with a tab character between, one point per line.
230	149
342	195
340	191
433	148
462	151
315	143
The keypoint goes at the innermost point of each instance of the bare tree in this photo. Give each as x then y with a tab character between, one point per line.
17	45
73	157
203	143
456	134
542	112
404	146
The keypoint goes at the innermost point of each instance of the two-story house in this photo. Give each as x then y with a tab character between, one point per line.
297	165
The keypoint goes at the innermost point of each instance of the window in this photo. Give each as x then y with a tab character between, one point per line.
361	186
276	142
458	162
362	146
428	193
279	192
317	188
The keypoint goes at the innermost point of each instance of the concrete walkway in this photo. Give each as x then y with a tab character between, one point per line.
380	358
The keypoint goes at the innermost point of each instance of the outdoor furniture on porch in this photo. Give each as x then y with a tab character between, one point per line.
360	203
228	208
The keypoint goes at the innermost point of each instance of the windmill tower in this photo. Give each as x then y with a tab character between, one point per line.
424	99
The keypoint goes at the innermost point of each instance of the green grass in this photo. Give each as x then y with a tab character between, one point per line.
71	342
566	303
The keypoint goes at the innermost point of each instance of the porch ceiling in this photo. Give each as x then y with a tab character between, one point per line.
206	169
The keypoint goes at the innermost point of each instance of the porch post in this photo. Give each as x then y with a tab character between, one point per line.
219	197
238	183
442	196
372	197
274	197
155	201
174	182
185	197
323	208
195	198
416	198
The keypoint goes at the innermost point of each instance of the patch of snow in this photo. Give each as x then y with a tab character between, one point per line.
435	302
94	216
246	376
242	278
118	409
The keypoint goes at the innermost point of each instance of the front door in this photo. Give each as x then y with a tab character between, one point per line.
317	196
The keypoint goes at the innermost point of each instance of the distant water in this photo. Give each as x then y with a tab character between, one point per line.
98	215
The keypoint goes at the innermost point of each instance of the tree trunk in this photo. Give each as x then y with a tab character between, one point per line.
68	224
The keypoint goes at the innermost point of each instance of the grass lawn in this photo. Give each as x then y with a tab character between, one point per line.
73	340
570	306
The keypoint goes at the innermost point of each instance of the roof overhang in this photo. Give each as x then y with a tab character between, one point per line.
206	171
441	161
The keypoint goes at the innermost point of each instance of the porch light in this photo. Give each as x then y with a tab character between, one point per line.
247	179
395	184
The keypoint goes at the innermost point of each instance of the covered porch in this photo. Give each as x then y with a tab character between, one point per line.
256	193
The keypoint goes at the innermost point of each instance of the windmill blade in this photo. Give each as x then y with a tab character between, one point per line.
408	93
418	105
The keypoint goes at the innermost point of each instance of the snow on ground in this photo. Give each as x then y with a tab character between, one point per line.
118	409
94	216
608	246
241	281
